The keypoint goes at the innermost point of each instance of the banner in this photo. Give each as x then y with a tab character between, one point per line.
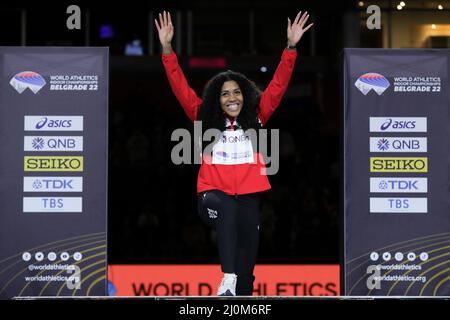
396	172
203	280
53	171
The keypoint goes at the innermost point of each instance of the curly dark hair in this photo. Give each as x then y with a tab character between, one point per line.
211	113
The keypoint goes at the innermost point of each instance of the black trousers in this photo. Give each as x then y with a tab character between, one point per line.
236	220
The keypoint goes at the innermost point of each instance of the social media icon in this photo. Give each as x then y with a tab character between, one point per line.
386	256
77	256
423	256
399	256
411	256
39	256
65	256
374	256
26	256
51	256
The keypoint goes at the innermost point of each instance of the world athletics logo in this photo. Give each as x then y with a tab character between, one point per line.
27	79
372	81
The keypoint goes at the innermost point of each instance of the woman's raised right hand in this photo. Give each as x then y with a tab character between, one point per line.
165	29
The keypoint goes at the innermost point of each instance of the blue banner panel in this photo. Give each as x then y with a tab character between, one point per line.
396	172
53	171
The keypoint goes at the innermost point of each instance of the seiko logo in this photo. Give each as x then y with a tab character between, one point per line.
398	164
53	163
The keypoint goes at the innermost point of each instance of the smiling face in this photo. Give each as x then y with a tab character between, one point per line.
231	98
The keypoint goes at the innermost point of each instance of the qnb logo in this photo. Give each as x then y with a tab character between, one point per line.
372	81
53	143
27	79
398	144
38	143
383	144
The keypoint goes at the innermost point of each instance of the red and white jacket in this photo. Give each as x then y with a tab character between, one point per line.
232	179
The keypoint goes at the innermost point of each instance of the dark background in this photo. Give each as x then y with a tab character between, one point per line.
152	202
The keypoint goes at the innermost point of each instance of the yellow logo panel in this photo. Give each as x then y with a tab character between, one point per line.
43	163
400	164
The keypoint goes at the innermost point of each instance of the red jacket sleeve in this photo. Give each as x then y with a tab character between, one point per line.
185	94
271	97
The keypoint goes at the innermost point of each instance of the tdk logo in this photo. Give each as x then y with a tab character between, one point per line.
372	81
27	79
53	184
398	185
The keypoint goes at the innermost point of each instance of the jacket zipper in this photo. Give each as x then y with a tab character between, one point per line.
234	166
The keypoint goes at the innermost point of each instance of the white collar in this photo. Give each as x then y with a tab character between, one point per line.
228	123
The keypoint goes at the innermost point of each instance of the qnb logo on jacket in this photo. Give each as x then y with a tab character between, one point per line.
27	79
372	81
